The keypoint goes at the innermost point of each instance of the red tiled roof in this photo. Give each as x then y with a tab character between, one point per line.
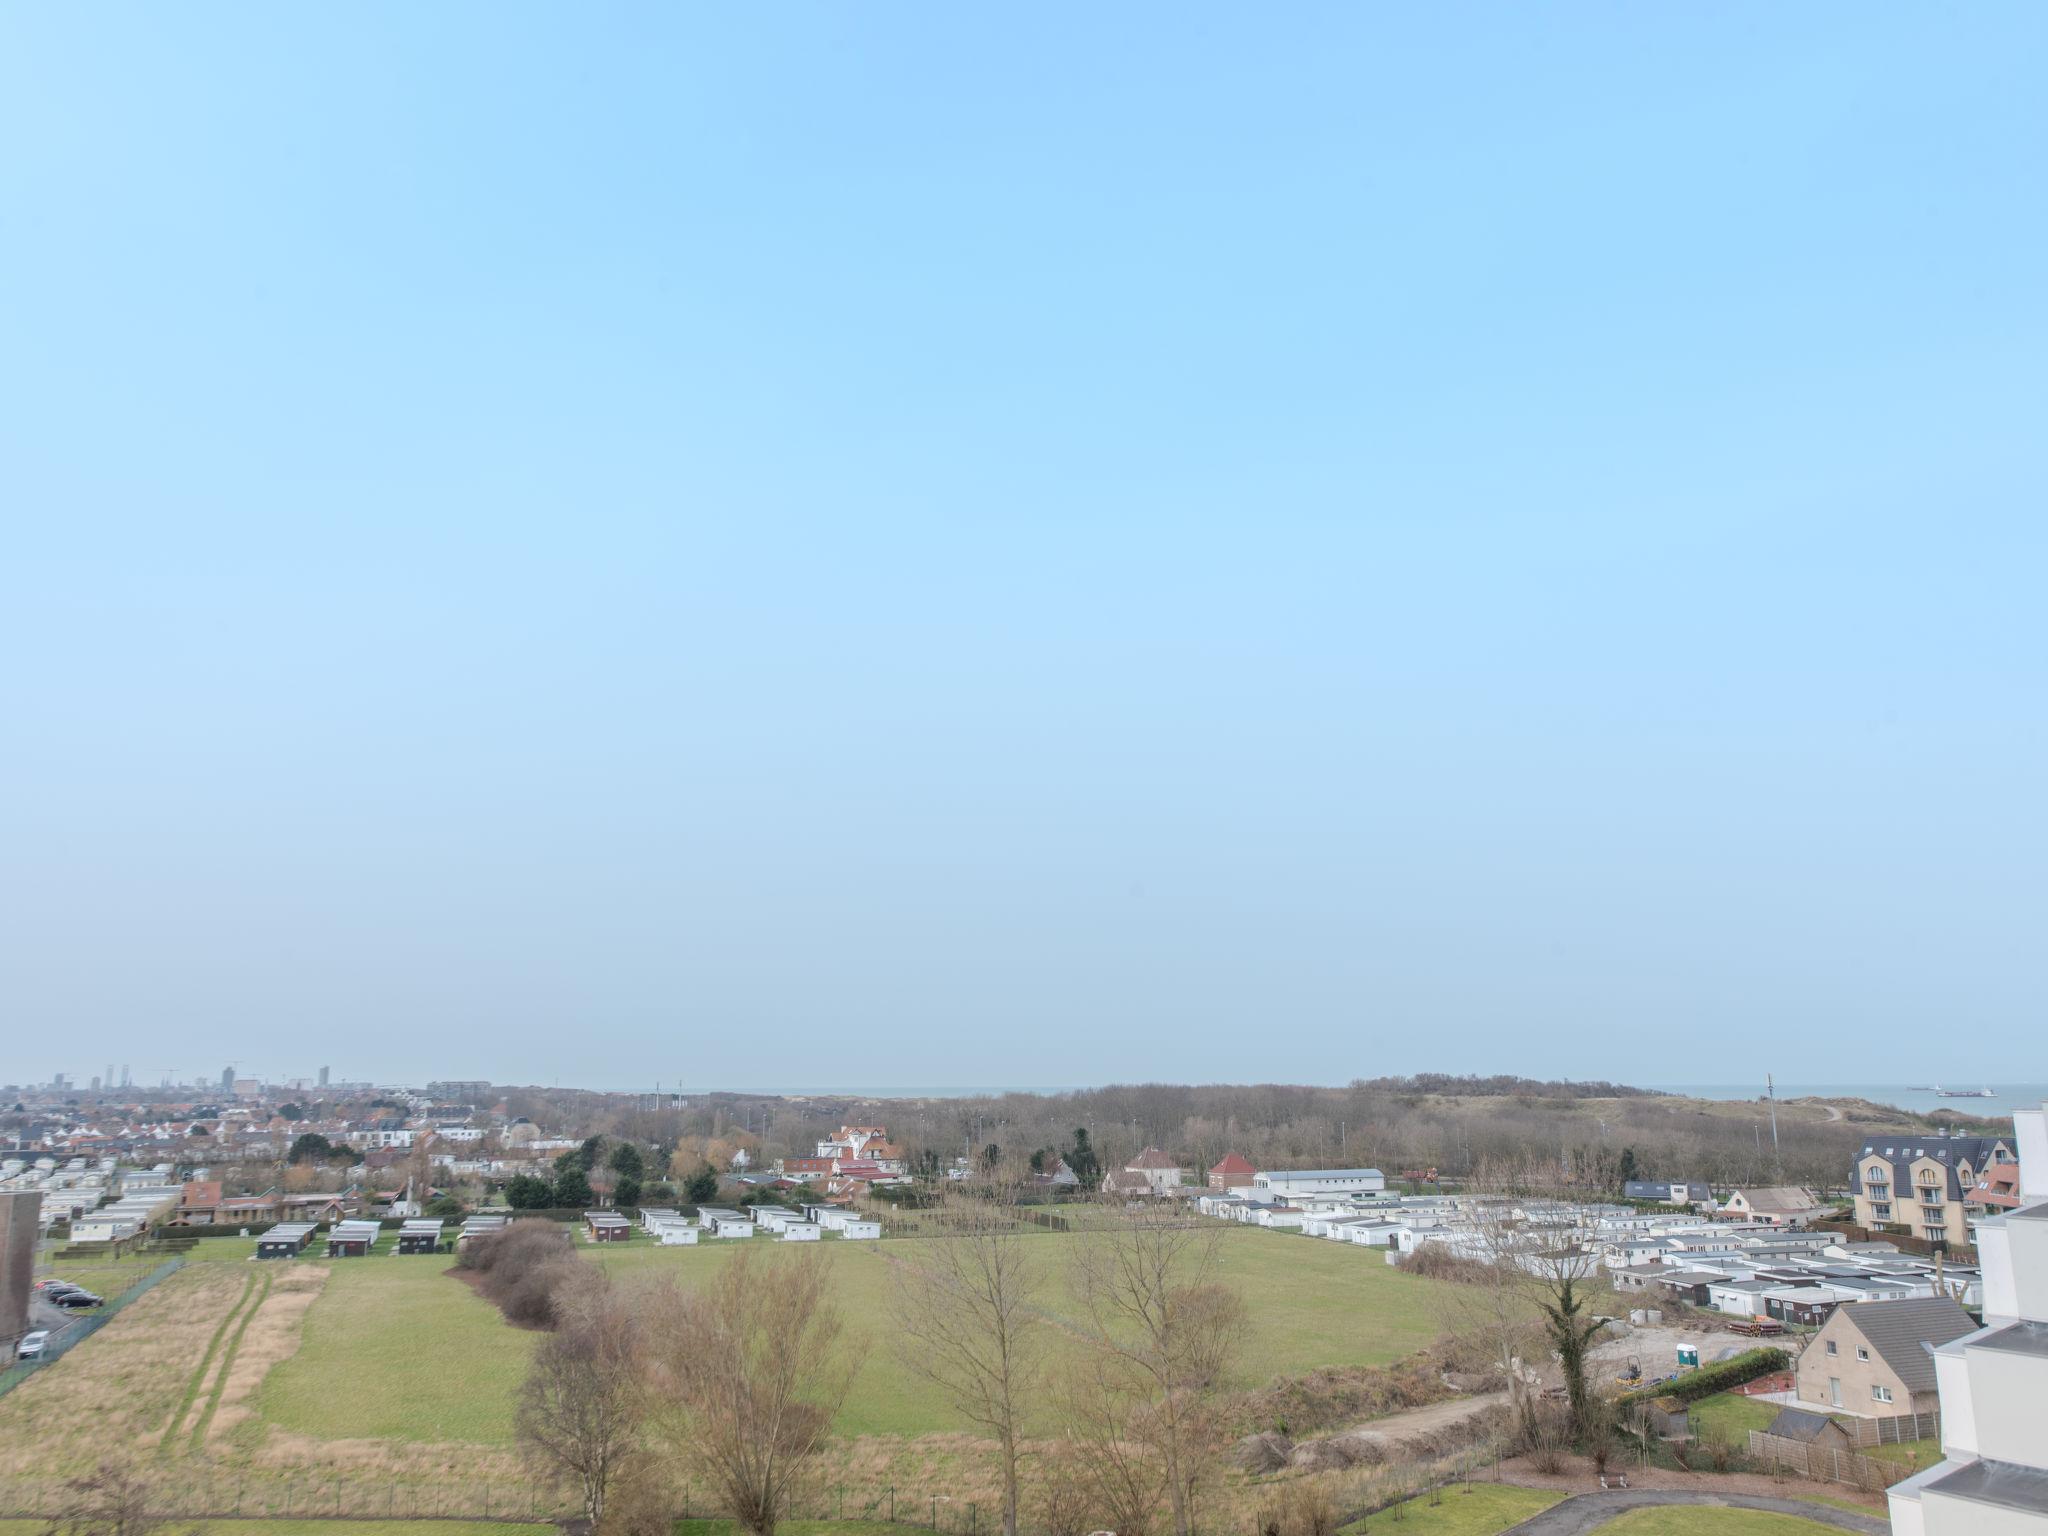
1232	1163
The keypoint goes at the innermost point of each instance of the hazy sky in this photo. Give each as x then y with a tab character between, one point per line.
771	546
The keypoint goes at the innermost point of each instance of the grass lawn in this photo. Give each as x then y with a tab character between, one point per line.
1312	1303
1467	1509
1913	1453
398	1348
1706	1520
1730	1416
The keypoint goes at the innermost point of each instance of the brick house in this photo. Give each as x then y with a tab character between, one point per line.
1234	1172
1872	1358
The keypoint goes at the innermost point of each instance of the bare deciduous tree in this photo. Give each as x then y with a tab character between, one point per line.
1164	1331
1540	1241
745	1375
968	1323
112	1500
582	1408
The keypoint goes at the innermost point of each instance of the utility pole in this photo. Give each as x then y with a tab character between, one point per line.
1771	1093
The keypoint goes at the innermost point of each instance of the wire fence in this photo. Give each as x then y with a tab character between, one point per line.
61	1342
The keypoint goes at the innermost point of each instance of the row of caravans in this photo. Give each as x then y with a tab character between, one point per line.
806	1226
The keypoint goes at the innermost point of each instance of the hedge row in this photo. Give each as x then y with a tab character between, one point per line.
1718	1377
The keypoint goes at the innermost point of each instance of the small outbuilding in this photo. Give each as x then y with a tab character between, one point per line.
352	1239
420	1235
1807	1428
801	1231
677	1234
286	1240
860	1227
733	1226
607	1226
476	1227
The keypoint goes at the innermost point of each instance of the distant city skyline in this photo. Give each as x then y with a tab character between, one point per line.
1134	543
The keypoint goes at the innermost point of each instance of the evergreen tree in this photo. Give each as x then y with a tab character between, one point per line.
572	1188
702	1186
526	1192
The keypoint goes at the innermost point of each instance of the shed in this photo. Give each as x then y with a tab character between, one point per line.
1807	1428
286	1240
352	1239
420	1235
674	1234
607	1226
858	1227
652	1216
732	1225
801	1231
476	1227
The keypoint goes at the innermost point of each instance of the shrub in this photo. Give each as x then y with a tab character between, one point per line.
522	1269
1718	1377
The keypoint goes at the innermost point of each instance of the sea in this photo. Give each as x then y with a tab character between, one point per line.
2004	1099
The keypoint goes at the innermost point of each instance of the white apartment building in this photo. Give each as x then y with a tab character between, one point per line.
1993	1480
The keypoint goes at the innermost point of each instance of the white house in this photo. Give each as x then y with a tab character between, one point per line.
1993	1480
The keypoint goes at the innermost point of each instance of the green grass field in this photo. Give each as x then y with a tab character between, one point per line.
1730	1416
1312	1303
399	1348
1465	1509
1913	1453
1706	1520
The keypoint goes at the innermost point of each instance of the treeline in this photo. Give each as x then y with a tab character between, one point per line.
1430	1121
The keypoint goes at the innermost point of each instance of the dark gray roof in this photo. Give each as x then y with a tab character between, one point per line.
1900	1331
1996	1482
1900	1151
1798	1424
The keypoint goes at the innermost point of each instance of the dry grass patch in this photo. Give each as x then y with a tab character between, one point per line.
118	1389
267	1337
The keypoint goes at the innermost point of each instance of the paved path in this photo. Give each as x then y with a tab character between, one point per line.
1582	1512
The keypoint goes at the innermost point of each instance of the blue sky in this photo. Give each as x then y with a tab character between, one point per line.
929	544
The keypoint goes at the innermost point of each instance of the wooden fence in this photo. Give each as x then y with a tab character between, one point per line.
1894	1429
1824	1464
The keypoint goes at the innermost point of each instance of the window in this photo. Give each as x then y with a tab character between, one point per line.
1862	1353
1881	1394
1831	1348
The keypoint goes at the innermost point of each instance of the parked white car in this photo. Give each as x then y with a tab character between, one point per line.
32	1344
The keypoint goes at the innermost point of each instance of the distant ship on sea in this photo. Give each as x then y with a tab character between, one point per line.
1957	1093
